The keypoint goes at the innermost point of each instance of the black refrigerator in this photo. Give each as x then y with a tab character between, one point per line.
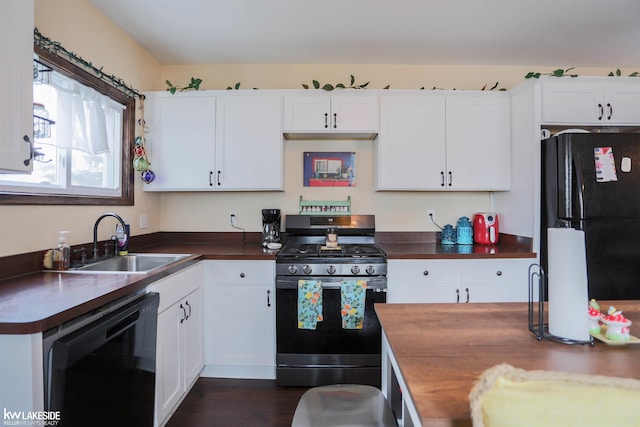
591	182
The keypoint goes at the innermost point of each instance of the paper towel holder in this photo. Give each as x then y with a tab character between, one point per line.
537	323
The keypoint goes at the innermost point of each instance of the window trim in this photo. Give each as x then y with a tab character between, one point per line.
126	197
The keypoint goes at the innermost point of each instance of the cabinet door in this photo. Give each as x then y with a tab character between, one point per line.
181	141
478	142
243	326
571	102
411	143
16	74
355	113
622	102
420	281
193	337
169	363
331	113
306	113
497	280
240	319
249	143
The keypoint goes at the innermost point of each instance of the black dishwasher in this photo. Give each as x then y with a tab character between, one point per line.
100	369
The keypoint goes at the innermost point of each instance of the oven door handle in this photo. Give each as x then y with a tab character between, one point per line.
374	283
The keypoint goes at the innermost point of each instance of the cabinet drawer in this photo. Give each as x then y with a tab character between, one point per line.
405	272
178	285
495	271
241	272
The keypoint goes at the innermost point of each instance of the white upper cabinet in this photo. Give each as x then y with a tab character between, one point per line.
411	144
211	141
478	142
591	101
181	141
249	143
444	141
323	114
16	75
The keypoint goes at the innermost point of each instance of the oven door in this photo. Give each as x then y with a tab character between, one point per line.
328	354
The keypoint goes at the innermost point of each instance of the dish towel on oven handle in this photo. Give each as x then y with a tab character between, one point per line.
309	303
352	296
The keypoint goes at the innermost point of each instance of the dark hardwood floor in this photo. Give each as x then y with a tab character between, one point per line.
226	402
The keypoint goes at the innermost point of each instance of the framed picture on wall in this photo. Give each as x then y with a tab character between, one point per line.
329	169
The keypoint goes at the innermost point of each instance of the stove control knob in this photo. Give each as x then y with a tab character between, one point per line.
306	269
370	270
331	269
355	269
293	269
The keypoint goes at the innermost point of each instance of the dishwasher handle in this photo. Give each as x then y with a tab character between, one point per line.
71	348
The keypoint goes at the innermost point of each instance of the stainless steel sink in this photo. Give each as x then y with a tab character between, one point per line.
130	264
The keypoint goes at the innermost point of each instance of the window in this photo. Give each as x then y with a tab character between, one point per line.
83	155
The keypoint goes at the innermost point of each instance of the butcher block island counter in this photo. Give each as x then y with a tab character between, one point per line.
434	353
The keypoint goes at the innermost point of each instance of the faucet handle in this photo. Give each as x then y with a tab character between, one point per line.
114	242
83	254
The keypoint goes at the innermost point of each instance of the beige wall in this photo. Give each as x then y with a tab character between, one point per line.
82	29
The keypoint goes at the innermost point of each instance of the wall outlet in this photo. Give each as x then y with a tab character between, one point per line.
431	216
144	221
233	219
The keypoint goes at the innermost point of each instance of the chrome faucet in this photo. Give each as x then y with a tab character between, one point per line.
95	230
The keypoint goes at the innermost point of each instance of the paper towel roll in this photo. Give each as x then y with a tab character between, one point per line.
568	293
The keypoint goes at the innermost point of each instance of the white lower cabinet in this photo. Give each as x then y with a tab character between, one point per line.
457	280
180	349
240	319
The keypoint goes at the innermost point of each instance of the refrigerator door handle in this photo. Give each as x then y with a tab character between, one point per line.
579	173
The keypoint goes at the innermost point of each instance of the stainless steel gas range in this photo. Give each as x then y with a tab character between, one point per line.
330	250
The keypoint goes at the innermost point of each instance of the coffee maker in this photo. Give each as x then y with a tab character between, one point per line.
271	228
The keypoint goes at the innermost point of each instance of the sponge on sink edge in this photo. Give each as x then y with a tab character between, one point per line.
507	396
47	260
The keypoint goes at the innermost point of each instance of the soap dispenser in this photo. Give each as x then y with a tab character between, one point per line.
62	253
123	238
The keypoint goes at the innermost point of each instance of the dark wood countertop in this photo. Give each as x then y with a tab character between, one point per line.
442	349
425	245
40	300
33	301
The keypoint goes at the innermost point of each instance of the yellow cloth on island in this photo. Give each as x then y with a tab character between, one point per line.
510	397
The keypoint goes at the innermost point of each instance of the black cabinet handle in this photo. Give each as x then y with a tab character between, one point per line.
210	178
31	149
188	305
601	111
498	273
326	120
467	290
335	120
610	111
268	297
441	178
184	311
219	173
450	178
457	296
426	272
242	275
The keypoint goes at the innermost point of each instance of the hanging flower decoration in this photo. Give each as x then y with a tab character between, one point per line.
140	161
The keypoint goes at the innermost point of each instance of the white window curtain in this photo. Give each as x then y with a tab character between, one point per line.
85	118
